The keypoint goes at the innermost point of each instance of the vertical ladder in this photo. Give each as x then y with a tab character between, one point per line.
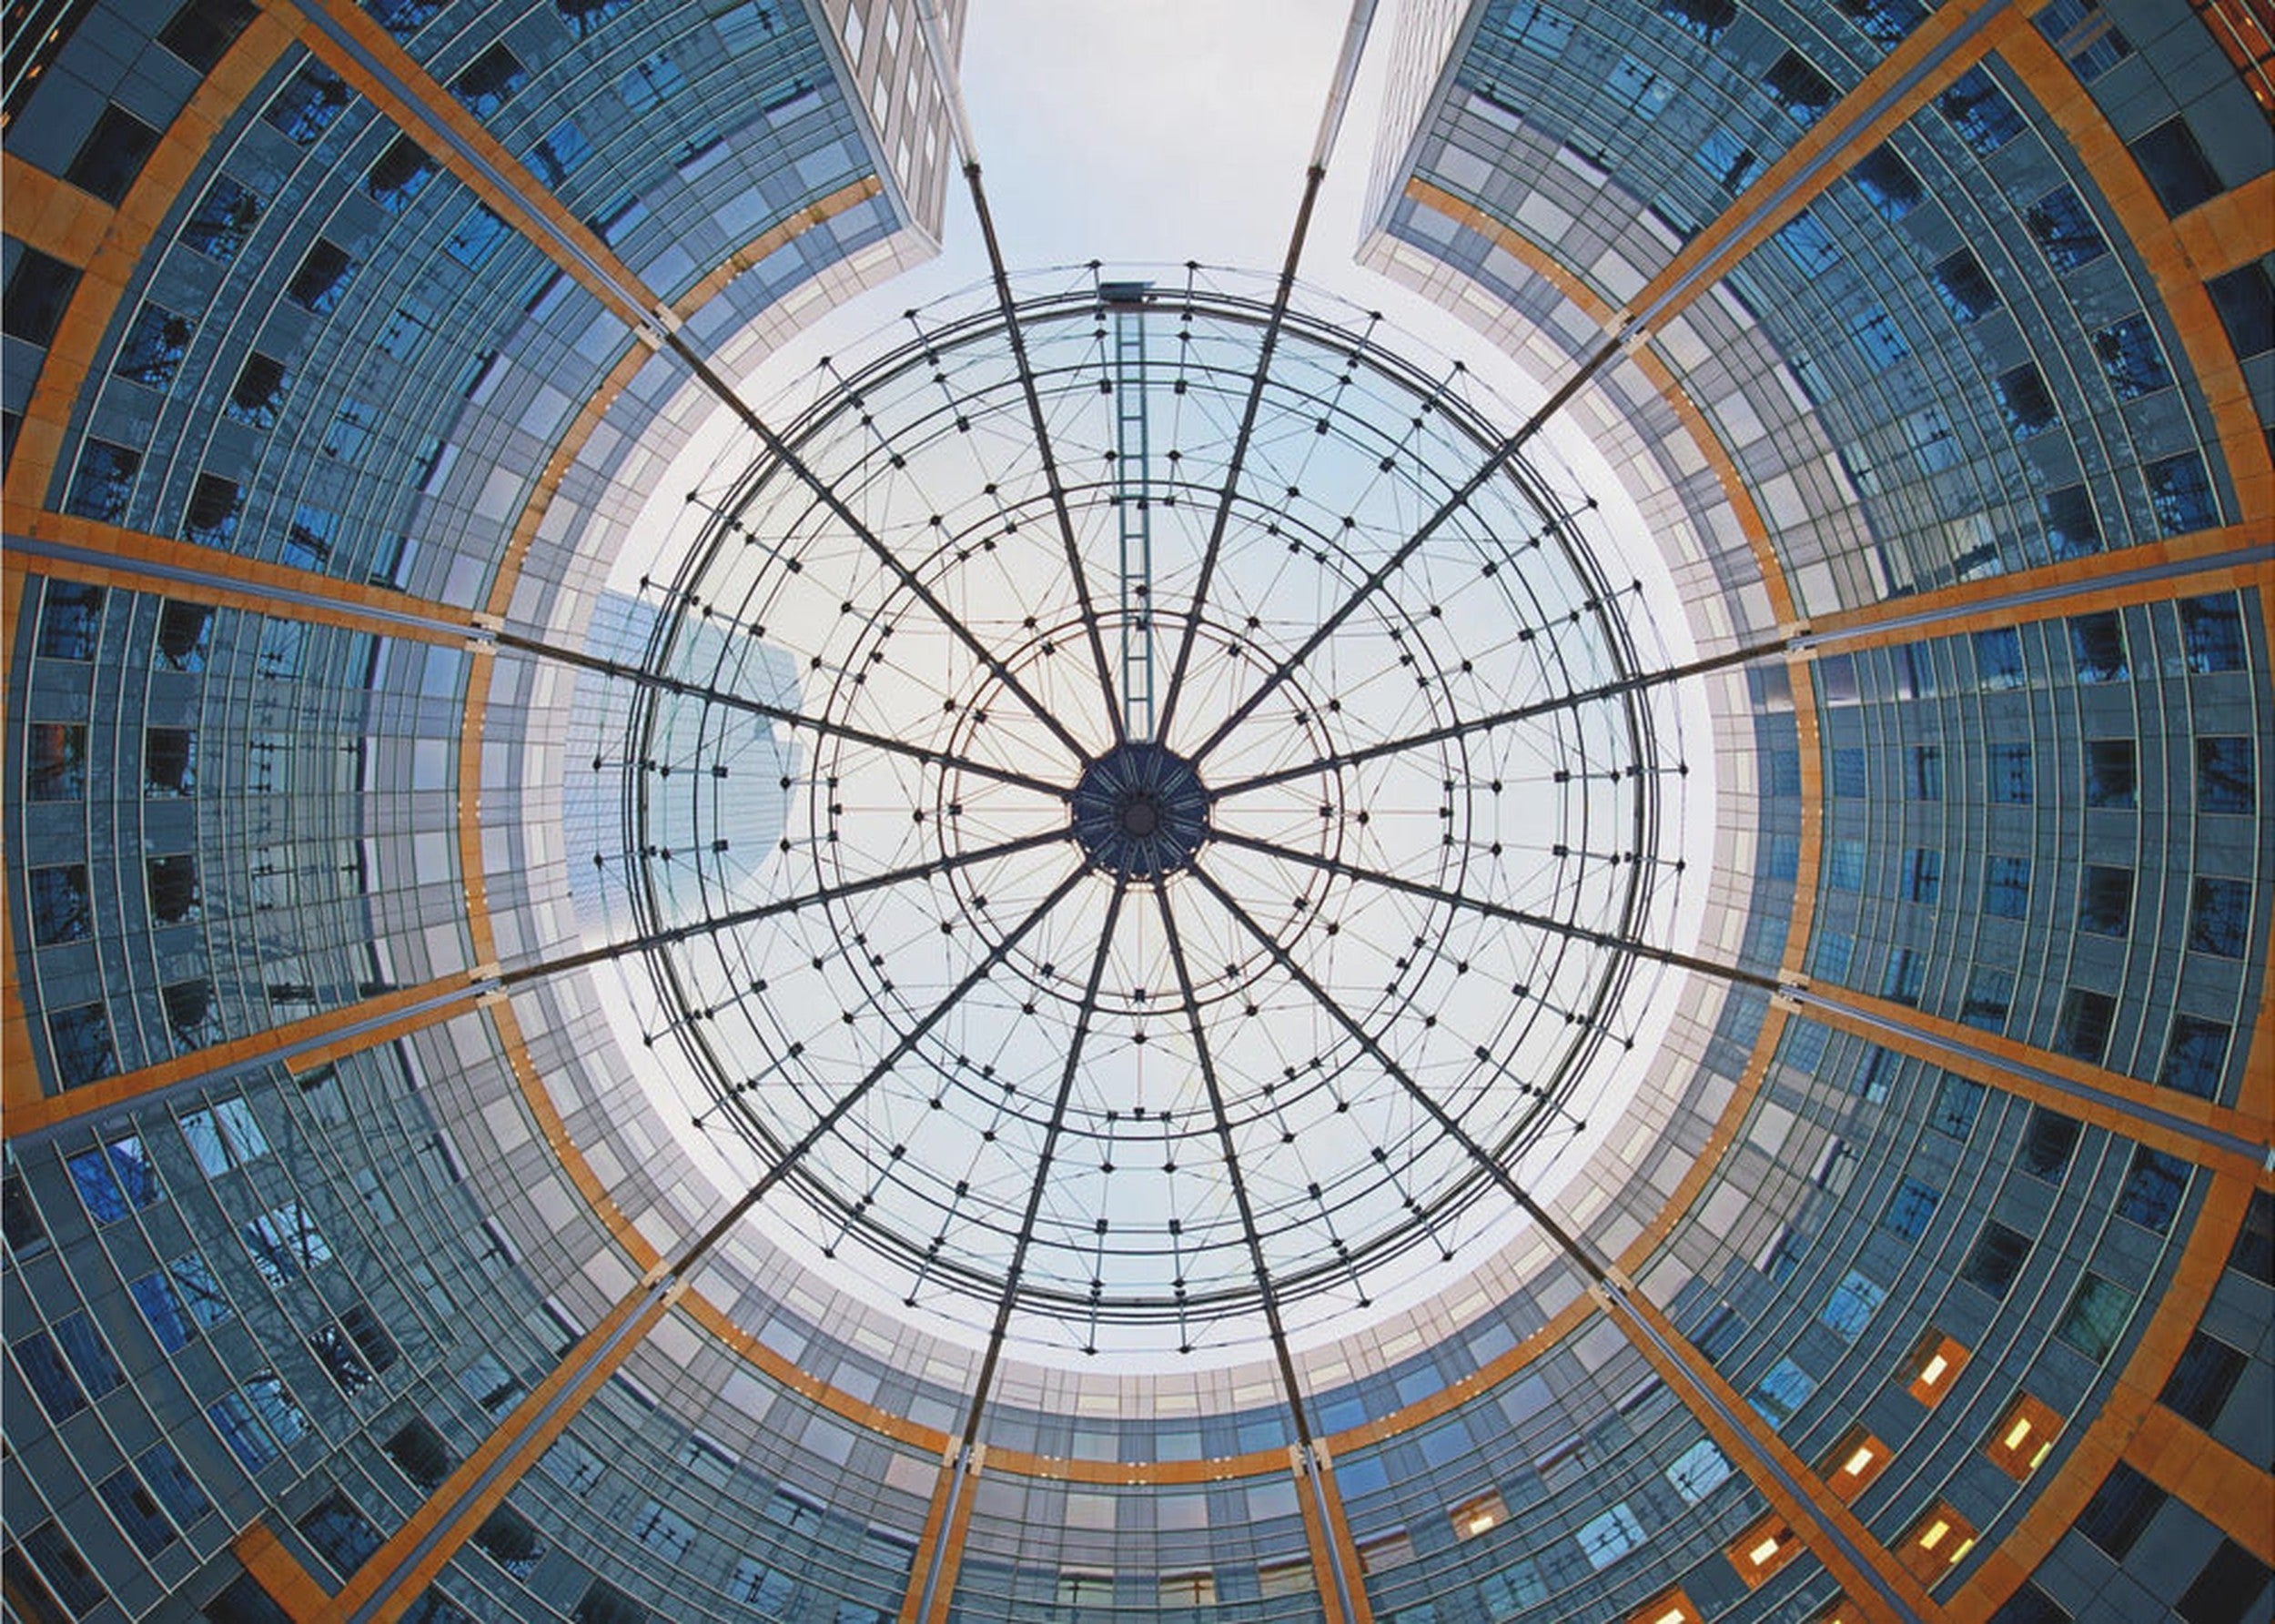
1133	502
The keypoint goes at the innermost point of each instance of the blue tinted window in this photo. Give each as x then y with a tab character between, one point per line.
1979	111
1995	1259
169	1321
1923	875
485	84
1727	160
104	482
2223	775
2097	647
1989	999
133	1509
1794	84
2006	887
1998	659
400	173
2105	900
476	237
91	1177
1908	1212
2178	170
194	1279
2212	630
163	1470
1958	1102
1876	335
2153	1186
153	347
1852	1305
1779	1395
1808	244
89	1355
2220	918
232	1418
2065	230
309	101
1963	286
2180	493
61	908
2195	1056
49	1377
585	18
2082	1029
1536	27
2131	357
222	220
1887	182
2071	529
2087	39
1612	1536
2012	774
2095	1317
2025	403
560	154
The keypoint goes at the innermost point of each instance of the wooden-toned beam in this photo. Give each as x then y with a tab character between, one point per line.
310	1041
1327	1533
2228	559
1833	1533
133	227
1952	38
2109	1430
2219	1137
279	1572
51	215
356	48
2234	1493
43	542
924	1570
398	1572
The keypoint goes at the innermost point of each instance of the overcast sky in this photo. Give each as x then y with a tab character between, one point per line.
1149	133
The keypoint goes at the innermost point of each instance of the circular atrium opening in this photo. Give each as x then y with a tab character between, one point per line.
1144	819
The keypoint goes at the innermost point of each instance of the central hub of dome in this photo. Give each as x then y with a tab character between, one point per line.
1140	811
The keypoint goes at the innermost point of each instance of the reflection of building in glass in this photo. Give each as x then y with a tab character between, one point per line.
746	804
1922	1269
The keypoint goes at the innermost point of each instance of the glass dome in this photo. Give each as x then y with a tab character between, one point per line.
1145	873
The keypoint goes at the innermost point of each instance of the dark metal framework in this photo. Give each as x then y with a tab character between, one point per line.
1405	800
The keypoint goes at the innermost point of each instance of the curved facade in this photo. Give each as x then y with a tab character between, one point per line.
355	1271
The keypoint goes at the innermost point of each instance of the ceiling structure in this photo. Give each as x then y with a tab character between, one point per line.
1153	970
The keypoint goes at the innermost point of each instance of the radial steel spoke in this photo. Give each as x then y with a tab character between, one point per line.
1237	1184
876	1073
1497	459
1322	145
788	718
932	870
961	1463
1539	922
1313	1469
1075	1043
1365	1040
781	451
1282	293
1057	486
1497	719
